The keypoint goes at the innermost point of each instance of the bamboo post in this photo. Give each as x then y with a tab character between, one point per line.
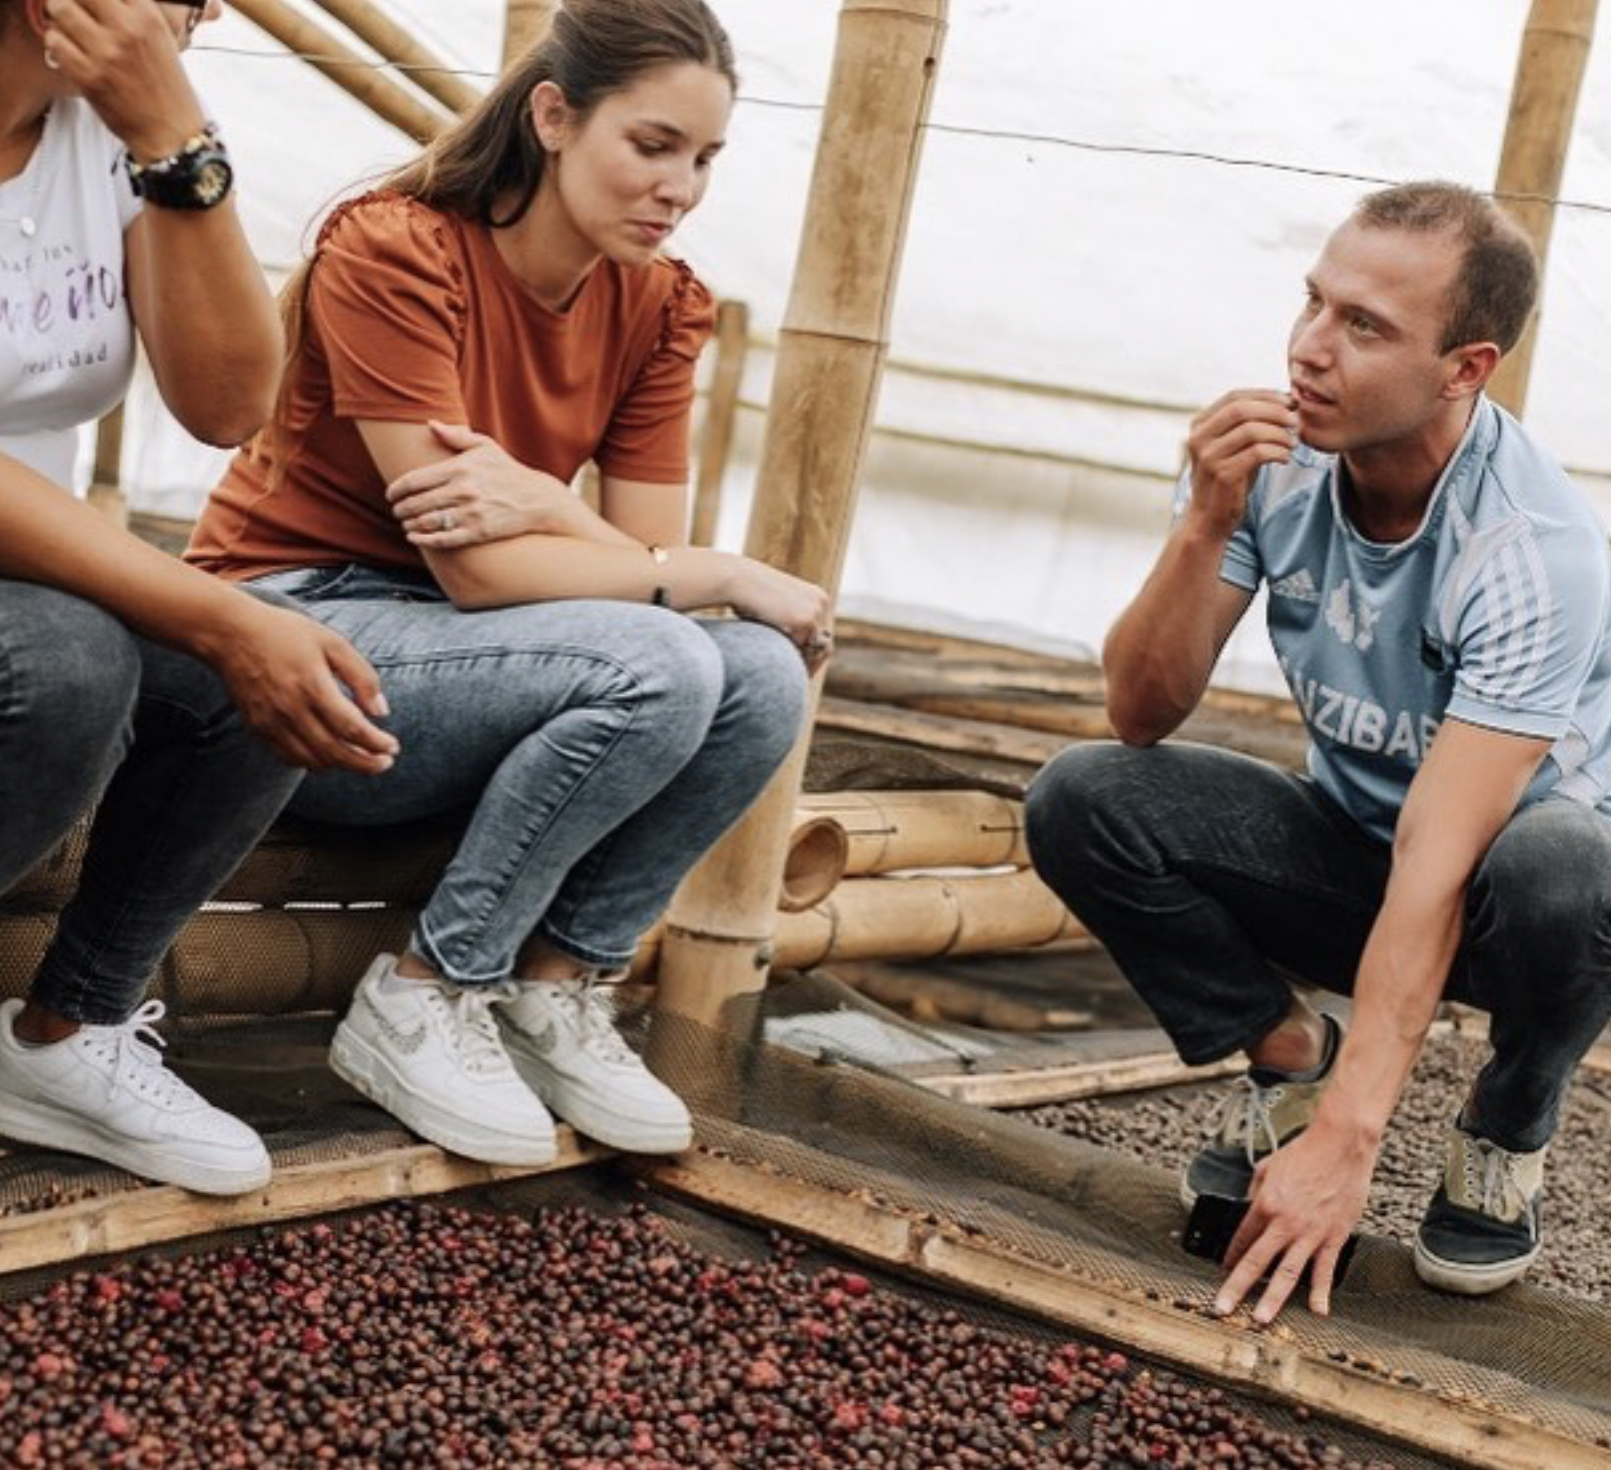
721	418
424	69
388	100
1543	105
831	353
106	483
525	23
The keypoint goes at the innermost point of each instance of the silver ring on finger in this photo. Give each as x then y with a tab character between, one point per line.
445	521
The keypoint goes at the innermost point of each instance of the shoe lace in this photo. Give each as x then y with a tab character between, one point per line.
133	1050
1491	1183
472	1029
591	1002
1245	1117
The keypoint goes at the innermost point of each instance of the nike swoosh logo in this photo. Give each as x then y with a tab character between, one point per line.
407	1042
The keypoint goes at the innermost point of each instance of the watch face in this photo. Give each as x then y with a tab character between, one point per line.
212	182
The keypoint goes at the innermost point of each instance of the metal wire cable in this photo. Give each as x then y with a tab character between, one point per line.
959	130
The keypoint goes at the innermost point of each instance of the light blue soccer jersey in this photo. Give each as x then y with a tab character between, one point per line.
1494	612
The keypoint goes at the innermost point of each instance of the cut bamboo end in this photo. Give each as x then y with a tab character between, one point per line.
818	849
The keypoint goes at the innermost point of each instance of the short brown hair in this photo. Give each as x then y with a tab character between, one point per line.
1496	287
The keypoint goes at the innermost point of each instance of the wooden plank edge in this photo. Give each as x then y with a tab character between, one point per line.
1031	1087
160	1214
1475	1435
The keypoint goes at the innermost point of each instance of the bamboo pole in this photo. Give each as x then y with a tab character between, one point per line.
834	341
387	99
908	919
721	418
887	831
525	24
106	483
420	65
1543	106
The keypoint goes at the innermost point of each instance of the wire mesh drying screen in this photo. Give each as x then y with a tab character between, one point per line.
1528	1354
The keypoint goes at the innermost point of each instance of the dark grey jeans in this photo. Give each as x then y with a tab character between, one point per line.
1208	874
89	710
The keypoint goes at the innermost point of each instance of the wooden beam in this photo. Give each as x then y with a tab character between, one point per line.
1543	107
1034	1087
387	99
1265	1362
135	1219
417	62
824	394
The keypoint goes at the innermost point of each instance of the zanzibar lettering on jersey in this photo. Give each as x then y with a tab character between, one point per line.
1360	724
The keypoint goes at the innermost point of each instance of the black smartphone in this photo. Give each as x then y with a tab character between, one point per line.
1214	1221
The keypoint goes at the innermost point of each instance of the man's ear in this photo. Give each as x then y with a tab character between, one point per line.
551	116
1471	368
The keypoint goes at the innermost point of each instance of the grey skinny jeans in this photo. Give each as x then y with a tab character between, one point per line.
601	747
90	711
1207	874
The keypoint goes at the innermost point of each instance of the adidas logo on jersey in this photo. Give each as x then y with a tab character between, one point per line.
1299	587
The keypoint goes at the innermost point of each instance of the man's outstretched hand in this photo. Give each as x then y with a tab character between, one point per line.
1307	1196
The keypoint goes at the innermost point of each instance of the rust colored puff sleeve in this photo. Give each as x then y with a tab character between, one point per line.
387	303
648	433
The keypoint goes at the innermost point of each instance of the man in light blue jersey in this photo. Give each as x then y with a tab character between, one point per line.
1438	600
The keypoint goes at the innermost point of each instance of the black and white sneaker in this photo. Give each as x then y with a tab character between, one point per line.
1481	1230
1263	1109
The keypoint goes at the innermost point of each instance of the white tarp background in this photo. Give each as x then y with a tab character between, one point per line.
1072	255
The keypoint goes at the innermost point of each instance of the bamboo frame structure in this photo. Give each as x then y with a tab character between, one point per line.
721	418
834	341
389	100
134	1220
420	65
524	25
1543	106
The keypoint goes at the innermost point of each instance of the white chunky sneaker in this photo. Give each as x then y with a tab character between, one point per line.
429	1053
562	1036
105	1092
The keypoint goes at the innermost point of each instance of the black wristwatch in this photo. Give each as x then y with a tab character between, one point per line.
198	176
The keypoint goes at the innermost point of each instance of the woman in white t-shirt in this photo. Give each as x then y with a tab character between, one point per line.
183	706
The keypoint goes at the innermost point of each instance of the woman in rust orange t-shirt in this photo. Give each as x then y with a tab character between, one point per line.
467	337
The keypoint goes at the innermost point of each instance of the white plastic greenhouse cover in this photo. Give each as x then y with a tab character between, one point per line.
1080	250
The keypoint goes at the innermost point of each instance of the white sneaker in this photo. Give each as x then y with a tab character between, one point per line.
429	1053
562	1036
105	1092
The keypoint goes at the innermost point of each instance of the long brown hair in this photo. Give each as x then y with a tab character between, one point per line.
595	48
491	155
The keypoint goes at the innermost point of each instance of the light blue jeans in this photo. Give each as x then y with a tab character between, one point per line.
599	747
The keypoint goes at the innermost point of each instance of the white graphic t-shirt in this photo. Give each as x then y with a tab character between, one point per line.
1495	612
66	335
